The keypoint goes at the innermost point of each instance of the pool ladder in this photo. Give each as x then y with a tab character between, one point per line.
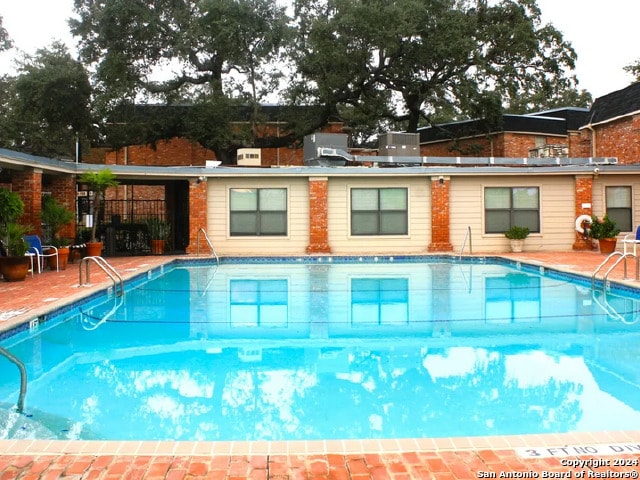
206	237
23	376
107	268
604	302
623	257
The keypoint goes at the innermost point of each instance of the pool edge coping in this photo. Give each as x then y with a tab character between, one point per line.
302	447
209	448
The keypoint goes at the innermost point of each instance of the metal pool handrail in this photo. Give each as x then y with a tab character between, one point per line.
206	237
107	268
467	235
23	376
623	256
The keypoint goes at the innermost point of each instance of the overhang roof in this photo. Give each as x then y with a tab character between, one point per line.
435	166
615	105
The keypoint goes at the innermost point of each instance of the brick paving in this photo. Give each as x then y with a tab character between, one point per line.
24	300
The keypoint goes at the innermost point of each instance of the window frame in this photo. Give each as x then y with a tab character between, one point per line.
379	213
259	213
615	213
511	211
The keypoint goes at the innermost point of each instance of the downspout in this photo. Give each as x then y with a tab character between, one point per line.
589	126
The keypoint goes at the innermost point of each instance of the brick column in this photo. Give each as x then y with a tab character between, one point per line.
318	215
63	189
197	215
440	229
583	206
28	184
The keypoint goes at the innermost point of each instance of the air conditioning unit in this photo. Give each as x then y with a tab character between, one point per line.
249	157
394	144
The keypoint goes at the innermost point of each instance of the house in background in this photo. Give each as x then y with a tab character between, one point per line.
542	171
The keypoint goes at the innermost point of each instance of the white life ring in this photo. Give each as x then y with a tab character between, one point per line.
580	220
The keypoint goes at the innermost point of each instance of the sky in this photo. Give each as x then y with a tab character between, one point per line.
601	32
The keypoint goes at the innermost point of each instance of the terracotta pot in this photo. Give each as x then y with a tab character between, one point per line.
15	269
607	245
157	247
63	258
93	249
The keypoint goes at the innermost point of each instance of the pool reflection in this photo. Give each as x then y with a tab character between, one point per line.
333	351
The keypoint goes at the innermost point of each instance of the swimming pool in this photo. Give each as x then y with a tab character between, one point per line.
320	349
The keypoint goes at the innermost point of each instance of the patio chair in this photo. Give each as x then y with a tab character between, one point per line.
631	239
36	248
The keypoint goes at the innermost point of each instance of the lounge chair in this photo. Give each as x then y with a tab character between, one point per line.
36	248
631	239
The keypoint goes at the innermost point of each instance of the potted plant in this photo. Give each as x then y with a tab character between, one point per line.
14	264
159	233
516	235
605	231
57	216
98	182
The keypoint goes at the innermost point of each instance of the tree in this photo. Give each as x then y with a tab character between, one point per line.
421	57
208	52
47	104
634	69
5	40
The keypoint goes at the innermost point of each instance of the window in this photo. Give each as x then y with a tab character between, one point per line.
505	207
258	211
379	301
379	211
619	207
513	298
255	303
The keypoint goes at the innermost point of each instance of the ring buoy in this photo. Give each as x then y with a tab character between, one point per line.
580	221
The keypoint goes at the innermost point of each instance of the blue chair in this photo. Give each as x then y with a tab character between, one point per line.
631	239
36	248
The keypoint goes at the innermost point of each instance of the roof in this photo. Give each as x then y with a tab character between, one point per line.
615	105
550	122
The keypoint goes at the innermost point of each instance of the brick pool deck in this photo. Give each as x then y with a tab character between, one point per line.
605	454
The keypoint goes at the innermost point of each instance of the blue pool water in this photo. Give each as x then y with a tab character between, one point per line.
331	349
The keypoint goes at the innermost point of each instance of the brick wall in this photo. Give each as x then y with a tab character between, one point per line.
63	189
440	213
514	145
197	215
318	216
620	139
583	195
28	184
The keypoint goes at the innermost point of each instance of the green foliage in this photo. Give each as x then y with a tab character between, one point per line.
517	233
11	206
98	182
48	104
56	216
15	232
431	55
5	41
158	228
210	42
11	232
603	228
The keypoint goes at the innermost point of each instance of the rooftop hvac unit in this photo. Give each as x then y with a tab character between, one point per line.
312	143
249	157
394	144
